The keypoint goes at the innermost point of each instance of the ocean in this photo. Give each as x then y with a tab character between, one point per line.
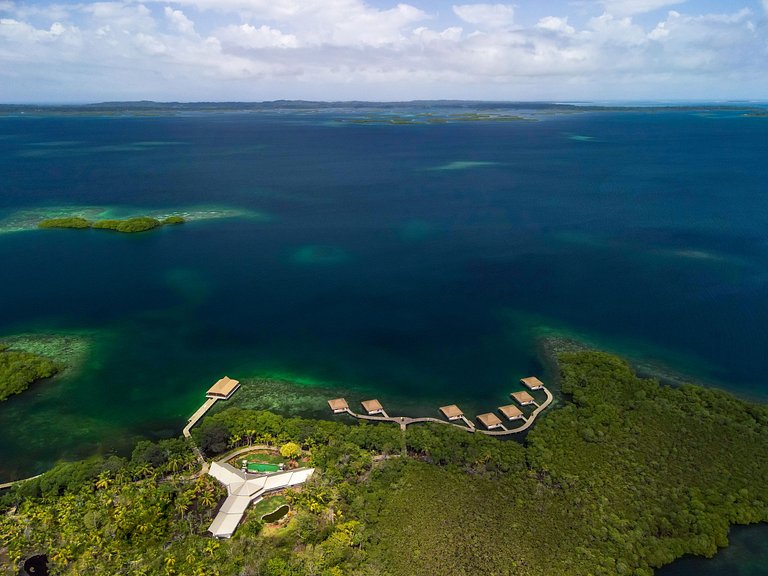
406	252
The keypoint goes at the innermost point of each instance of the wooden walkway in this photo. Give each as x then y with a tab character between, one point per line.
10	484
543	406
207	405
405	421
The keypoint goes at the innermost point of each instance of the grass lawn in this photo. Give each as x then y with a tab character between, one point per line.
259	457
267	505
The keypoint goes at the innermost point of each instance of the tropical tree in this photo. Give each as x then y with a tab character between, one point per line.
290	450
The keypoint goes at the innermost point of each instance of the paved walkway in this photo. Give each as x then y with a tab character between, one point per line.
405	421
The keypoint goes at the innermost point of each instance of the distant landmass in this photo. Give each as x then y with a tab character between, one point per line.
447	106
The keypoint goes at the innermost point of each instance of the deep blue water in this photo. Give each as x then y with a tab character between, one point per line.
421	261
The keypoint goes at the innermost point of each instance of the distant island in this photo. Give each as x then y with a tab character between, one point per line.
126	225
626	477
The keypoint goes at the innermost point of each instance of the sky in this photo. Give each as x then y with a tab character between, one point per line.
255	50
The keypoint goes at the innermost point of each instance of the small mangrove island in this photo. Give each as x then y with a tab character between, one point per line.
126	225
627	476
19	369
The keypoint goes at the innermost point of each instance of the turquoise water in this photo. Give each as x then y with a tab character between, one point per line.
420	261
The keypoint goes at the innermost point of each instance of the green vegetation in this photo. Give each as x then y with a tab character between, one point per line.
290	450
19	369
267	506
626	477
66	222
127	225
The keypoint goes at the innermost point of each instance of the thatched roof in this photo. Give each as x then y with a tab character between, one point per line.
223	388
489	420
511	411
523	398
338	405
372	406
532	382
451	412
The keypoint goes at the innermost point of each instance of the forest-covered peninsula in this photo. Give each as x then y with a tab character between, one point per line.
627	476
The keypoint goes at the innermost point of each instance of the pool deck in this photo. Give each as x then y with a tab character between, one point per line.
405	421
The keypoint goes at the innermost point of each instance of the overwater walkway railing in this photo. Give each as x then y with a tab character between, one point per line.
405	421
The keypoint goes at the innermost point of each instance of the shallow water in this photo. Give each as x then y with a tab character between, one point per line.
372	266
746	555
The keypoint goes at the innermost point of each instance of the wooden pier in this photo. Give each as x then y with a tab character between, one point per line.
453	415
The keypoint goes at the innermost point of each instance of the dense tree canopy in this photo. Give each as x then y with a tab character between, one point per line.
128	225
627	476
19	369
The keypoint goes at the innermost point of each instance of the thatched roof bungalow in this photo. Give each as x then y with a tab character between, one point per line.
490	421
452	412
523	398
338	405
372	407
223	389
532	383
512	412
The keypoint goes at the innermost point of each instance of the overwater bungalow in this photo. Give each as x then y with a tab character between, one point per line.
532	383
512	412
223	389
452	412
372	407
523	398
338	405
490	421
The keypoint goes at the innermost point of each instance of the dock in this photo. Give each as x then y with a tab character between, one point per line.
454	416
199	413
221	390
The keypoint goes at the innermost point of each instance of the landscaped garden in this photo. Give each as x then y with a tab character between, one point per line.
268	507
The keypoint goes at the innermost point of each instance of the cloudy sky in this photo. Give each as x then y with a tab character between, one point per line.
192	50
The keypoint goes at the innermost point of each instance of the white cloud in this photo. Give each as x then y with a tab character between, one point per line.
336	49
24	33
247	36
179	21
120	16
486	15
632	7
555	24
424	35
617	31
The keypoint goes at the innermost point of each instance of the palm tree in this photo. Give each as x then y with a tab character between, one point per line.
208	499
170	562
103	481
175	463
143	471
182	505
